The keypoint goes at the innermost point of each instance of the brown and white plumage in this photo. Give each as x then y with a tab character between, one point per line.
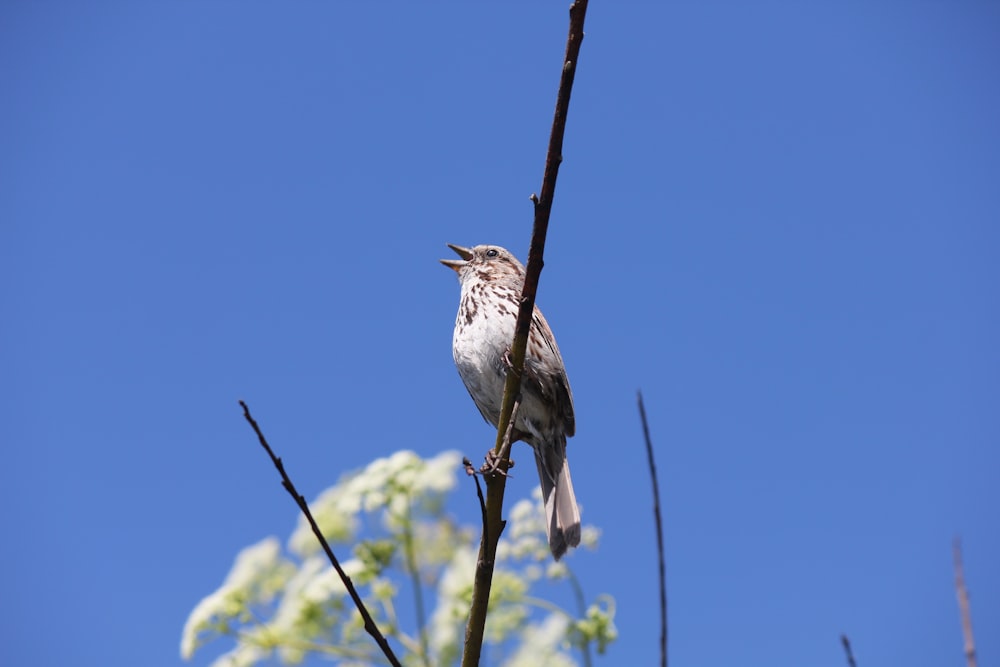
492	279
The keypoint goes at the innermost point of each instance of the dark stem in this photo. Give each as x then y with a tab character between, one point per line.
471	472
963	604
581	612
286	482
503	457
847	649
495	484
659	533
410	553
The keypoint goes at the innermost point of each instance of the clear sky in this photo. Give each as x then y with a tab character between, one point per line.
781	221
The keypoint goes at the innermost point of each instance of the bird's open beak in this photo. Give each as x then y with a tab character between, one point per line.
457	264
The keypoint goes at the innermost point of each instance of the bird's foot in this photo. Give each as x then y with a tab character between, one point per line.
508	362
495	464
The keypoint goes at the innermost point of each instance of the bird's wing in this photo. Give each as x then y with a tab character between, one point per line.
551	379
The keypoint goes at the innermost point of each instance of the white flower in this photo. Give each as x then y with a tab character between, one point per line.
388	483
541	643
524	538
556	571
335	511
524	519
200	617
243	655
454	594
257	574
589	536
439	472
254	562
290	607
328	584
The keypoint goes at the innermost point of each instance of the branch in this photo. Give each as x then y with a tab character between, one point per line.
286	482
847	649
471	472
659	534
495	484
963	604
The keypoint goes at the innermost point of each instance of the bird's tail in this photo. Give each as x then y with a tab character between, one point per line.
562	515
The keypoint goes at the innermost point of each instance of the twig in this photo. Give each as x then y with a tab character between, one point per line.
501	462
495	484
659	533
410	554
471	472
963	604
581	611
847	649
286	482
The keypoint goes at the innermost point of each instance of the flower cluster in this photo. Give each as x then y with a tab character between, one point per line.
405	546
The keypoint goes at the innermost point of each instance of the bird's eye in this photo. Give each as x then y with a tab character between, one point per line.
492	252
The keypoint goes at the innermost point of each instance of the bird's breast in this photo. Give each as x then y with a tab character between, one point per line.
483	333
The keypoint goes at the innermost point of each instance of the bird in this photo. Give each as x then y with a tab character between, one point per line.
492	279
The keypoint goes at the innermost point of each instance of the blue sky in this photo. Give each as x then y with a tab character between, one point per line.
781	221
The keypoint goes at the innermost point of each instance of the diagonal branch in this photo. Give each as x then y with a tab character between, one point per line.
847	650
963	604
659	533
286	482
496	483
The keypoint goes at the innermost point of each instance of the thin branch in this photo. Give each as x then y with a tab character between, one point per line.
495	484
286	482
410	554
659	533
847	649
503	455
963	604
471	472
581	612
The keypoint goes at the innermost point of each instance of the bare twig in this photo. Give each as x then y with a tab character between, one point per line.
963	604
504	455
410	555
471	472
495	484
581	610
286	482
847	649
659	533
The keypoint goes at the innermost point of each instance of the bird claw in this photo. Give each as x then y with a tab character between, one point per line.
507	361
492	465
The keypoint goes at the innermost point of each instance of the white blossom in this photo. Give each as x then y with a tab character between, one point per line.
388	483
395	498
541	644
243	655
454	593
256	575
